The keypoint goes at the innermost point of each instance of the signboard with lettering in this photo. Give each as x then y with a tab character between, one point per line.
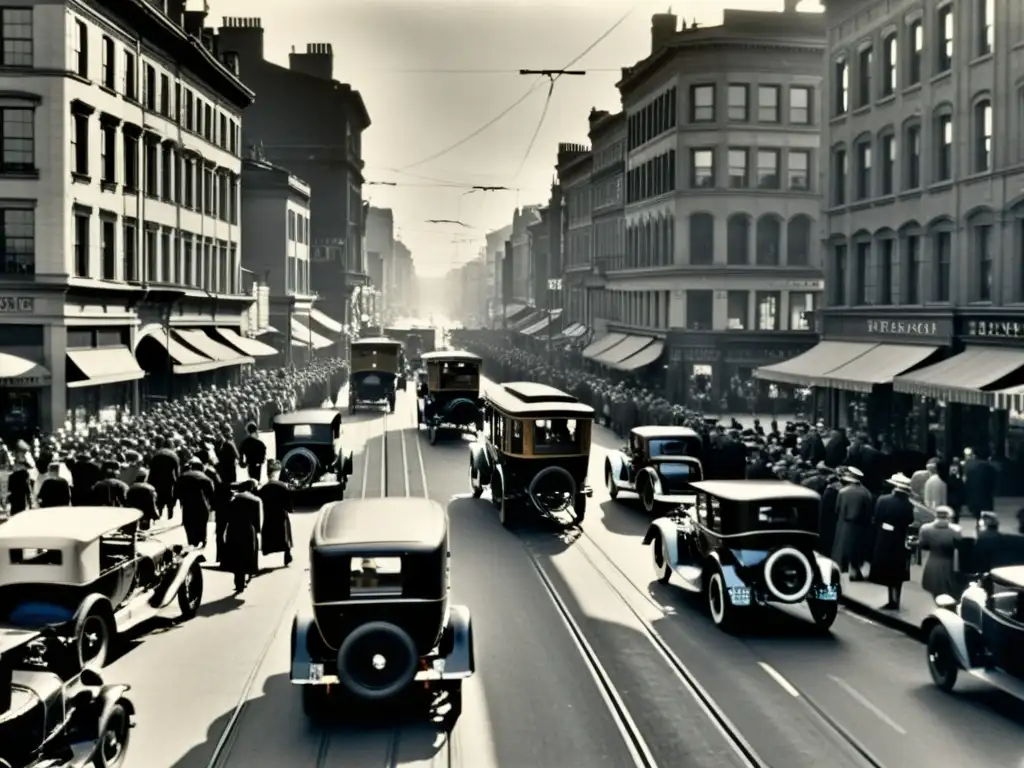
17	305
905	329
994	328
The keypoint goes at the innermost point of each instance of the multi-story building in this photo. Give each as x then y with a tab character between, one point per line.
492	260
923	133
608	212
120	277
306	121
468	281
522	269
574	167
722	197
402	291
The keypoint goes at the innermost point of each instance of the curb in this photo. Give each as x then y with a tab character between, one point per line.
885	618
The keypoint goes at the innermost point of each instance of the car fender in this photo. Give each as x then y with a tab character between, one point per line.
955	628
479	460
460	661
617	466
163	599
109	696
303	625
728	570
652	478
666	528
829	570
99	603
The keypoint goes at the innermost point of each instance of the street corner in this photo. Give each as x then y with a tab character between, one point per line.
866	601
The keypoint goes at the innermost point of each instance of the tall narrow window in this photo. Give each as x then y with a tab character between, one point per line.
944	39
131	256
913	252
886	263
739	171
863	170
768	161
915	37
108	249
702	166
944	148
767	303
890	64
702	104
81	49
840	171
16	50
983	136
799	170
862	285
80	143
768	98
739	103
81	244
912	155
986	14
943	257
887	163
983	243
841	87
800	105
109	63
865	62
838	283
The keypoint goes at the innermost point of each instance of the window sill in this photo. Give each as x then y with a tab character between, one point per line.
940	186
108	186
130	190
981	59
108	90
886	199
912	89
910	193
15	175
863	109
946	74
861	205
80	178
837	119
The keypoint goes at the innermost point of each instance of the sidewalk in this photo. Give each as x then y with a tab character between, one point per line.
866	599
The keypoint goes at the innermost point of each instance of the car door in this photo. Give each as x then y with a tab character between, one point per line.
691	559
636	458
1003	629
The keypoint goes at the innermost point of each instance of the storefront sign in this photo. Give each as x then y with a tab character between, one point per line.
17	305
903	327
14	382
895	329
994	328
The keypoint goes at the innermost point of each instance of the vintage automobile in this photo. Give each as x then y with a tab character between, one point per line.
377	620
377	372
52	712
309	447
981	634
90	572
744	544
658	465
449	400
533	453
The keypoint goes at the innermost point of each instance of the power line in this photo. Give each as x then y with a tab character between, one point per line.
470	71
536	131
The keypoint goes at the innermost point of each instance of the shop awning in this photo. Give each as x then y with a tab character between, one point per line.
962	378
304	336
602	345
809	369
18	371
251	347
1011	399
530	319
327	322
575	330
515	311
644	357
107	365
628	347
878	366
220	353
267	329
184	359
542	323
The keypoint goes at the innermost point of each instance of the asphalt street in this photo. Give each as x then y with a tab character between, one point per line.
605	669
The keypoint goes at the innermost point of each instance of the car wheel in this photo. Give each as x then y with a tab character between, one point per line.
506	511
718	601
647	497
824	613
114	734
609	483
93	638
432	434
662	570
315	702
474	481
190	593
942	662
454	701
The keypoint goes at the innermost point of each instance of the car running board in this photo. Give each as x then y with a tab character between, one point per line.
1005	682
688	498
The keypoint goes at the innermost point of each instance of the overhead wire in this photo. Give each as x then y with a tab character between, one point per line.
470	71
536	131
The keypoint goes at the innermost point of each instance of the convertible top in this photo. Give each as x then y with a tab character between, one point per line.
81	525
307	416
755	490
377	341
449	354
656	432
409	523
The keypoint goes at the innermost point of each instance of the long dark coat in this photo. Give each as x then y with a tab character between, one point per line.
241	542
108	492
894	514
164	471
277	525
85	473
827	521
195	491
55	492
142	496
227	461
853	526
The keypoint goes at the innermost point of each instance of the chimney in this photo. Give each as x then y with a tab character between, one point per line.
243	36
175	10
194	23
663	27
317	61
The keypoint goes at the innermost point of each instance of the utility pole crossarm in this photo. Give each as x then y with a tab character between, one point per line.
552	72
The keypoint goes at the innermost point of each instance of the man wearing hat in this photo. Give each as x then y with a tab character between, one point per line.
109	491
253	452
164	469
241	537
890	560
853	523
54	490
276	496
195	491
827	509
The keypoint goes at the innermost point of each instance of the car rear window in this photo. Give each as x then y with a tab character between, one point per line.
34	556
375	576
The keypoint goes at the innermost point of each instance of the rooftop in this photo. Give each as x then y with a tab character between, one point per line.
755	490
63	524
418	523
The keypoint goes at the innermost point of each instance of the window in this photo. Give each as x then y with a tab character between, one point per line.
108	153
130	88
890	62
862	169
913	247
737	311
886	272
131	162
149	88
983	242
131	256
912	155
739	173
864	290
699	310
838	283
108	249
702	104
165	257
768	161
738	239
768	106
943	245
109	63
798	241
702	164
865	61
80	143
769	240
983	136
799	170
702	239
944	38
840	170
152	265
800	105
915	36
151	151
82	244
986	15
165	96
17	140
739	103
18	233
944	147
887	163
17	37
189	168
801	311
81	49
767	303
841	87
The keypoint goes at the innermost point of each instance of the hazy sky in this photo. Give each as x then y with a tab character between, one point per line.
391	51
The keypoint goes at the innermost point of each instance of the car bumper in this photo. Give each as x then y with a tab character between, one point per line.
744	596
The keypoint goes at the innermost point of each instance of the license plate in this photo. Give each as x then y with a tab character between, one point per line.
827	593
316	673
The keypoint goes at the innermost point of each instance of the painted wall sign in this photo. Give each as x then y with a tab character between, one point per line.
995	328
903	327
17	305
893	329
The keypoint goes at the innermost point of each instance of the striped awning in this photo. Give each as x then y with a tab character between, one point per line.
963	378
810	368
878	366
603	344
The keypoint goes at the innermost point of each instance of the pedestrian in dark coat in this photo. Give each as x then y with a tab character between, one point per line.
142	496
85	473
227	458
979	483
277	506
890	561
253	452
54	491
241	539
164	471
110	491
854	510
195	492
827	520
836	449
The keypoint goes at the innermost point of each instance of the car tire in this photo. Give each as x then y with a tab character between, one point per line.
609	483
114	734
719	608
316	701
942	662
647	497
190	593
824	613
93	637
357	678
432	434
474	482
662	570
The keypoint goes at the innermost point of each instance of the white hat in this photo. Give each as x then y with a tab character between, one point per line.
851	475
900	482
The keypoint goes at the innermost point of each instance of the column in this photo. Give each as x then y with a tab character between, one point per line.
53	408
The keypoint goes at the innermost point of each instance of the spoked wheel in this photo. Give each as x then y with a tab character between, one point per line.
942	663
662	570
647	497
609	483
718	601
190	594
114	735
93	638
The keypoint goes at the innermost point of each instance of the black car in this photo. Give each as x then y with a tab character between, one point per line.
533	453
658	465
747	543
377	622
309	447
377	371
449	399
52	711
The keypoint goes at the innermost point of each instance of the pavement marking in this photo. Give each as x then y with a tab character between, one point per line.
858	617
863	700
423	469
366	466
405	462
775	675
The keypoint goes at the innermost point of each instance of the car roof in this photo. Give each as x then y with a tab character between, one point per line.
449	354
65	524
1011	575
414	523
527	398
377	341
755	490
307	416
656	432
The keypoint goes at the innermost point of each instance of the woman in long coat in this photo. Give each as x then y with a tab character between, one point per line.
853	524
241	537
941	538
276	533
894	514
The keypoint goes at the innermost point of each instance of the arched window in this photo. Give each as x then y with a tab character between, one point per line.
798	241
702	238
981	135
769	240
738	239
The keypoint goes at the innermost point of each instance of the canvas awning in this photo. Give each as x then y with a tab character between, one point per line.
304	336
212	349
963	377
17	371
628	347
106	365
326	321
644	357
184	359
515	312
878	366
527	320
575	330
1010	399
603	344
265	330
809	368
247	346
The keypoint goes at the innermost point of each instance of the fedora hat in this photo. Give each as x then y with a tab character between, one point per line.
900	482
850	475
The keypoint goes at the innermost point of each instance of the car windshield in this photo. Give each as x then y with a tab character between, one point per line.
555	436
780	515
453	375
305	433
383	358
666	447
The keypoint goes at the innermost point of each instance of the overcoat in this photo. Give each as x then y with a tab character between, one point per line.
164	470
55	492
853	526
890	563
195	491
827	522
277	525
241	544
